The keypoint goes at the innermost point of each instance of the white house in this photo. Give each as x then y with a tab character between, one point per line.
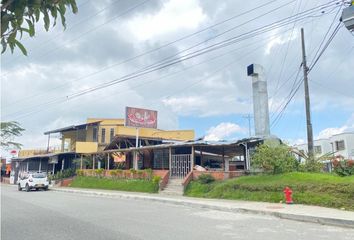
341	144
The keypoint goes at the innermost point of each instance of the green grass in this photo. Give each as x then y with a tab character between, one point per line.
131	185
308	188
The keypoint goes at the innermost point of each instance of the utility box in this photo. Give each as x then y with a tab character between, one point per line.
348	17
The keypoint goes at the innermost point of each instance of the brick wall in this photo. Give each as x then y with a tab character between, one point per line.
219	175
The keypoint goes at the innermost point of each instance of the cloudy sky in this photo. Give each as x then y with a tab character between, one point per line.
110	40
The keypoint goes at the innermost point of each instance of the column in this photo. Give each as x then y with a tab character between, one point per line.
108	161
81	162
170	160
192	158
93	162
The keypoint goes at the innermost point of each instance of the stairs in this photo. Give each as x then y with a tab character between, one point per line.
174	187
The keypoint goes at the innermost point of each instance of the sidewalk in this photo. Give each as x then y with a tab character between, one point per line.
296	212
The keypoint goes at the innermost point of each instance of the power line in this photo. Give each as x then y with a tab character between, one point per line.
210	59
213	47
159	48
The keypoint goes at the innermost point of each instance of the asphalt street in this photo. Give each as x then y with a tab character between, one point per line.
58	215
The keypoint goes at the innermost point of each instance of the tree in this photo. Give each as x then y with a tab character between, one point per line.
274	159
8	131
18	16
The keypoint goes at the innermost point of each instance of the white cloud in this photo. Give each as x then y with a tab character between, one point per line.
328	132
280	41
176	15
222	131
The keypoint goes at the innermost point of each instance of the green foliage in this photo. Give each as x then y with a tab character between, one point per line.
80	172
132	171
8	131
21	16
156	179
206	179
344	167
66	173
99	172
312	163
274	159
131	185
308	188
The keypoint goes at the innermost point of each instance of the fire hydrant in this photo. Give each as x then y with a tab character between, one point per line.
288	195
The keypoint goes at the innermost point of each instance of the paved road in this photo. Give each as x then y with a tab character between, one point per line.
57	215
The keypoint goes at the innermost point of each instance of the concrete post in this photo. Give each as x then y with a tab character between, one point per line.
192	158
108	161
227	164
93	162
170	160
81	162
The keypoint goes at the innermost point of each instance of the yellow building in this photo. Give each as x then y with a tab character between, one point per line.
97	133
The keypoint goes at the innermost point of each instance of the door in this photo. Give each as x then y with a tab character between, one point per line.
180	165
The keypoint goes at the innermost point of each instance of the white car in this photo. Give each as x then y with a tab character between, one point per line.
30	181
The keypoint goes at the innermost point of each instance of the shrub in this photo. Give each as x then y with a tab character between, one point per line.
113	173
344	167
206	179
80	172
148	173
99	172
156	179
63	174
274	159
132	171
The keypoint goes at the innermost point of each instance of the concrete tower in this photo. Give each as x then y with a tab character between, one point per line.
260	100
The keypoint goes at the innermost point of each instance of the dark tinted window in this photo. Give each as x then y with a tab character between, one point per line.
38	175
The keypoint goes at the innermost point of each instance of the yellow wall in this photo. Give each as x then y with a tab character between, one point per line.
182	135
86	147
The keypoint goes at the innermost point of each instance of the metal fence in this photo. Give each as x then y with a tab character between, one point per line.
180	165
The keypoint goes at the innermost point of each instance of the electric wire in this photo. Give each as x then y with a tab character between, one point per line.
186	57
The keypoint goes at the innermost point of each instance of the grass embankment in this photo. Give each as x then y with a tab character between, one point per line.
131	185
308	188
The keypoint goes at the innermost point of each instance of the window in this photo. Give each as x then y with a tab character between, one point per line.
103	135
317	149
340	145
94	134
111	135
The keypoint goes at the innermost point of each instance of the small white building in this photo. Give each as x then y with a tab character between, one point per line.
341	144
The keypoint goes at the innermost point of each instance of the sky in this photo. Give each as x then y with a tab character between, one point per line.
210	92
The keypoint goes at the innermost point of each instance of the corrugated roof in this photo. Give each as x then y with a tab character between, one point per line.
71	128
41	156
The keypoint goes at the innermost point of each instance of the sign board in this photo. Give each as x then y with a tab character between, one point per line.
53	160
119	157
138	117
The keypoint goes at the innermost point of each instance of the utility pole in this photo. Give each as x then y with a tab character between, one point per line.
307	100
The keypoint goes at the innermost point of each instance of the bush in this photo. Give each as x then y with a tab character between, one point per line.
80	172
99	172
206	179
344	167
63	174
274	159
156	179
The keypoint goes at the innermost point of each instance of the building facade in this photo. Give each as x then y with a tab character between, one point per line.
339	144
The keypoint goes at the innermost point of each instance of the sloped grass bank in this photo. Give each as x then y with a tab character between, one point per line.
131	185
308	188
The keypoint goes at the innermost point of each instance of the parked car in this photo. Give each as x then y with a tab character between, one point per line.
30	181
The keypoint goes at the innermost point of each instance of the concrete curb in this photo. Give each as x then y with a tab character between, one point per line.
208	205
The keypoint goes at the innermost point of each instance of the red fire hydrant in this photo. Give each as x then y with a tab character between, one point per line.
288	195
